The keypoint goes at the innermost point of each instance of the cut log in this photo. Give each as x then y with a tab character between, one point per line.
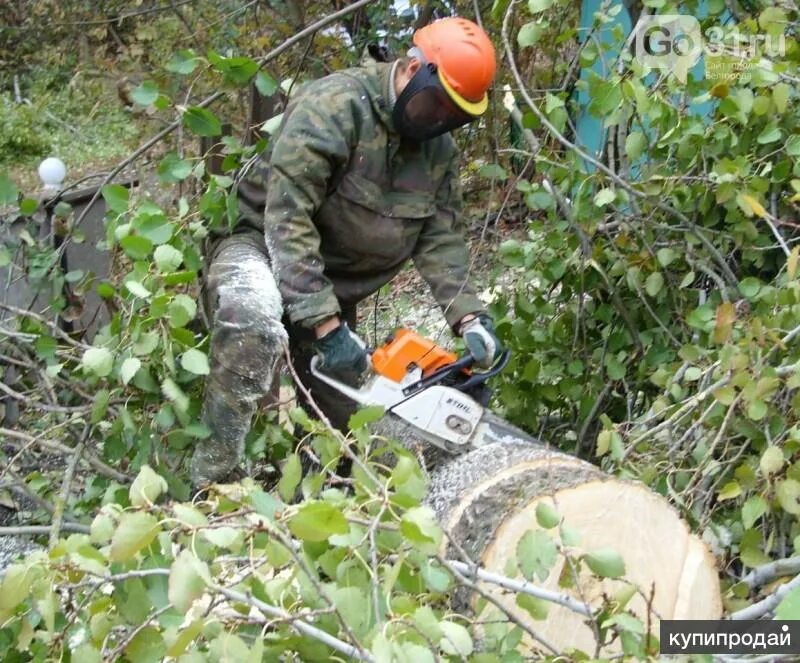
486	500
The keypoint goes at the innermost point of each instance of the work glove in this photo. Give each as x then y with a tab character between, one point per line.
342	355
481	341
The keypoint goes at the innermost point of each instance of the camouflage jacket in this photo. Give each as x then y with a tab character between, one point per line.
348	202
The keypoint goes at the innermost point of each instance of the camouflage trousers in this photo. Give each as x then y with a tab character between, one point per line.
248	339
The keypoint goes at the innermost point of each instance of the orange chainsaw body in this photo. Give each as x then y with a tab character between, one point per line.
406	350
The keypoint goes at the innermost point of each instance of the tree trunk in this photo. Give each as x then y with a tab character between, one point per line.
487	499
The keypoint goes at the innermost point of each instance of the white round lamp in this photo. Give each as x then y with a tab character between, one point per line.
52	172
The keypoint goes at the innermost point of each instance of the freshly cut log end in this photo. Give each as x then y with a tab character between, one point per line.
487	501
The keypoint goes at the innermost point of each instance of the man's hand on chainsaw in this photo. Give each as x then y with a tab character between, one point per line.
342	355
480	338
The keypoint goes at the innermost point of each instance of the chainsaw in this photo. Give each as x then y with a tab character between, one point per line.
434	391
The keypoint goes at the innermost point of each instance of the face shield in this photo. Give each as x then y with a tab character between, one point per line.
425	109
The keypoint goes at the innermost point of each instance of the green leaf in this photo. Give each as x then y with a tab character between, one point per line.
265	84
316	521
536	6
456	640
266	504
536	608
175	394
771	460
15	587
529	34
427	622
99	405
493	171
753	508
183	62
224	537
238	70
536	554
352	604
654	283
202	122
539	200
769	134
364	416
147	646
146	487
635	145
789	607
788	492
28	206
189	515
604	197
135	531
436	579
195	361
749	287
569	536
46	347
8	190
187	580
546	515
780	96
145	93
757	409
173	169
157	229
729	491
606	97
181	310
420	528
291	474
99	361
792	146
167	258
137	289
136	247
606	563
666	256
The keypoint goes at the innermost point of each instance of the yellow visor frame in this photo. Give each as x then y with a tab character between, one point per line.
474	108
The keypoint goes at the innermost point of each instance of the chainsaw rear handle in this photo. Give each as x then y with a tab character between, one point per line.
465	361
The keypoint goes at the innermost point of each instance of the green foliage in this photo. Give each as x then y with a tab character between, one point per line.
21	132
653	312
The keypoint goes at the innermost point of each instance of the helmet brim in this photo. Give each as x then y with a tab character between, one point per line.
474	108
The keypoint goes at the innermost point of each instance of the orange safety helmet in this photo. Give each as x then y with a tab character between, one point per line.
465	58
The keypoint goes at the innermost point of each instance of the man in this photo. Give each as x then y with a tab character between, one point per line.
362	176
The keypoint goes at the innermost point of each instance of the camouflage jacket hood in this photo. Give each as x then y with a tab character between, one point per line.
348	201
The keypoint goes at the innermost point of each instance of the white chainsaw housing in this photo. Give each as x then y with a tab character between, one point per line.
444	414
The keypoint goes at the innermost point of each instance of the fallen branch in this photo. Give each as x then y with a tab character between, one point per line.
51	445
520	587
35	530
66	486
761	608
761	575
298	624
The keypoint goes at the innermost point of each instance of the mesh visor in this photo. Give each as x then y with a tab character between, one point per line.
425	110
433	108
